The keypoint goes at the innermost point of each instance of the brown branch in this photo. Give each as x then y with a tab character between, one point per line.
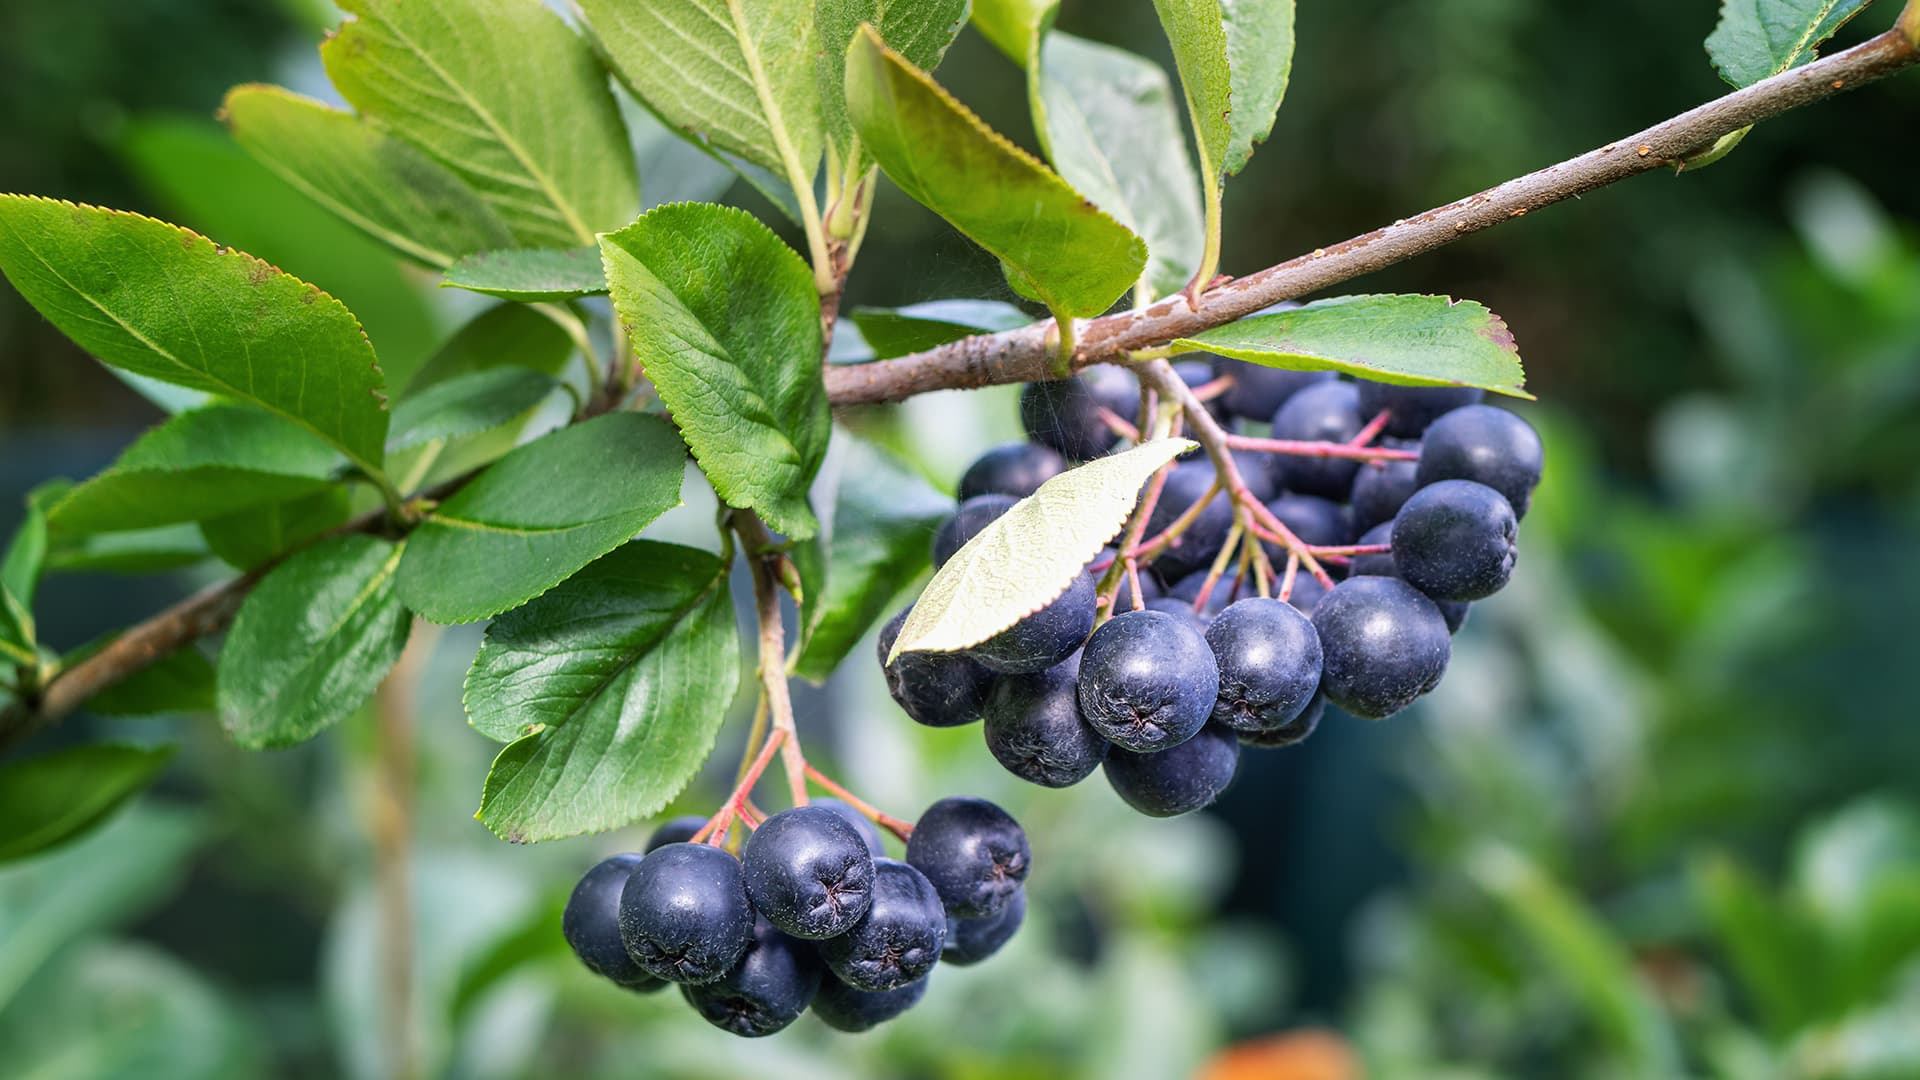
1022	355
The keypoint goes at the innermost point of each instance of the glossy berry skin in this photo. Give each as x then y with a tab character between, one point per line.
935	689
1185	484
1147	681
843	1008
676	831
973	852
899	940
1456	540
808	872
973	515
684	914
767	990
1293	731
1324	412
1487	445
1454	611
1258	391
591	924
1269	662
970	941
1381	488
869	832
1383	644
1176	781
1064	413
1034	727
1413	407
1045	637
1016	469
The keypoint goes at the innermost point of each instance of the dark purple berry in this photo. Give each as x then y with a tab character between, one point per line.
1015	469
1269	663
901	937
1034	727
1487	445
1454	611
591	924
1064	413
1291	732
808	872
973	852
767	990
970	941
1380	488
684	913
1324	412
676	831
1383	644
1413	407
1179	780
936	689
1045	637
1147	681
1456	540
843	1008
1202	539
1258	391
973	515
869	832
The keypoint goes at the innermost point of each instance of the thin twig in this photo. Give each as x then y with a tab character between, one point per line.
899	828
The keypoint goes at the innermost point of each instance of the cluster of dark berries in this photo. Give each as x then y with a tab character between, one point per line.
1163	694
812	914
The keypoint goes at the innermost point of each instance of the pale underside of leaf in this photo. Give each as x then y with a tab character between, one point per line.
1029	556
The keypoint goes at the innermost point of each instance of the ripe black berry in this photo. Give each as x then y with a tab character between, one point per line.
1147	681
869	832
684	914
1258	391
1487	445
1269	663
973	852
1197	546
1187	589
973	515
936	689
808	872
970	941
1063	413
1045	637
900	938
1381	488
1183	609
1454	611
1383	645
1324	412
1455	540
767	990
1317	521
1306	593
1179	780
591	924
676	831
1034	727
1291	732
1016	469
843	1008
1413	407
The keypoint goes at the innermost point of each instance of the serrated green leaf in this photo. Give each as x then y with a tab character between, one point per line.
312	642
737	75
611	689
180	682
873	543
52	798
258	535
531	274
1015	27
1408	340
1758	39
387	188
1198	32
161	301
465	404
1071	255
510	335
200	464
1030	554
1109	123
540	514
920	30
890	332
505	94
1259	63
724	317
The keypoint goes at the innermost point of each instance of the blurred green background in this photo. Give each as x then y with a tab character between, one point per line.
1662	819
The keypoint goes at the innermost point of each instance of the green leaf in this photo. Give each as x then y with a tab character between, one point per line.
510	335
1407	340
874	543
388	188
20	568
920	30
891	332
1758	39
531	274
200	464
312	642
1259	63
50	799
180	682
737	75
505	94
1772	949
1198	32
256	536
609	690
143	551
1108	121
1015	26
465	404
1069	254
1029	555
160	301
725	319
540	514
